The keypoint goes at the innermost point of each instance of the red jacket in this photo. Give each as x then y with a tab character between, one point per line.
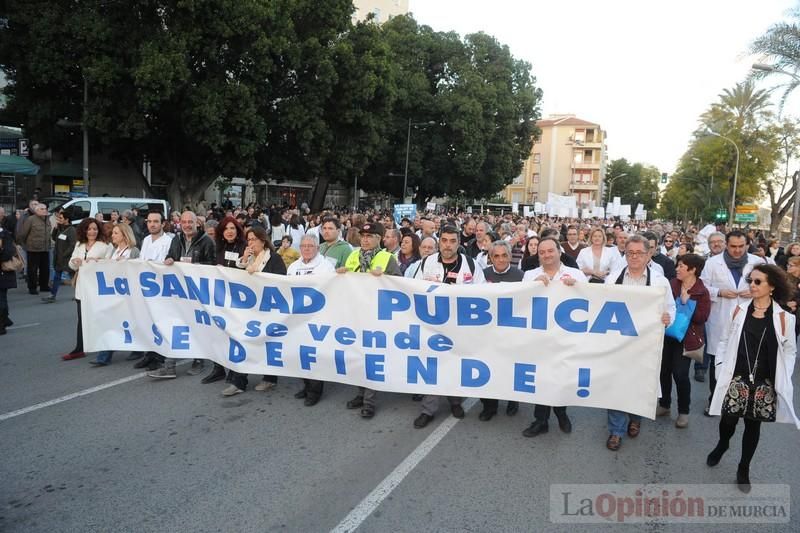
696	335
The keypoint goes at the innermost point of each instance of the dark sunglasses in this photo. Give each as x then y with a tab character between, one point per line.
750	280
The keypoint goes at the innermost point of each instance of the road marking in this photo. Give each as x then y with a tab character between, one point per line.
85	392
23	326
361	512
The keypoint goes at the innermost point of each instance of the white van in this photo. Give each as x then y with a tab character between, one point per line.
90	206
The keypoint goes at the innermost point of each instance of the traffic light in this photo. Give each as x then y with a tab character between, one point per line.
663	178
722	215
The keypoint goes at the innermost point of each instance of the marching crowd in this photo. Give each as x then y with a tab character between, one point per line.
730	306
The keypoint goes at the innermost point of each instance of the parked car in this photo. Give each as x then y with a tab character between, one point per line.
90	206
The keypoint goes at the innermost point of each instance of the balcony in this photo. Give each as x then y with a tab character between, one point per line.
587	166
584	186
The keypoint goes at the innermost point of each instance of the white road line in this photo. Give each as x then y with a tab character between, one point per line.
85	392
25	326
366	507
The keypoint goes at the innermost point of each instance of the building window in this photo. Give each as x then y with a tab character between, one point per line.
579	136
516	197
537	157
587	156
536	177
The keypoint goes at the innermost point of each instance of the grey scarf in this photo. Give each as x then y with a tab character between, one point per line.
732	263
365	259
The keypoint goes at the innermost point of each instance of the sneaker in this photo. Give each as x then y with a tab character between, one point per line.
49	299
682	421
73	355
231	390
197	367
662	411
163	373
264	386
422	420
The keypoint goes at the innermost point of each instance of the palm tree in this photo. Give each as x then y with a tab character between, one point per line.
780	48
742	108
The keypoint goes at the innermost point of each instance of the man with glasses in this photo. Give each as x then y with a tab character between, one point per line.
724	277
572	246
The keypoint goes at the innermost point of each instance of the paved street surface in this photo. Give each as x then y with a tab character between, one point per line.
176	456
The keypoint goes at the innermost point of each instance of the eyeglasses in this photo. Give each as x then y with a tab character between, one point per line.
635	254
757	281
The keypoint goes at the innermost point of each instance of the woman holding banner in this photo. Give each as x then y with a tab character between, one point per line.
91	246
674	361
259	256
756	361
231	245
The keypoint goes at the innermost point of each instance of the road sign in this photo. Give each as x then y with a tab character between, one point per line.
746	209
746	217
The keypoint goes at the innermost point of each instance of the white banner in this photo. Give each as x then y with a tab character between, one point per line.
586	345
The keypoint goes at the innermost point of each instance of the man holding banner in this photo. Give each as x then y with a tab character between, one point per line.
637	255
551	269
369	258
449	267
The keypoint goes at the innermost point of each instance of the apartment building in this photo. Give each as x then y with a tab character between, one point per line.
383	10
569	158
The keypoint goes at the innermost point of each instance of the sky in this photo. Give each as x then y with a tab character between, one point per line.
643	70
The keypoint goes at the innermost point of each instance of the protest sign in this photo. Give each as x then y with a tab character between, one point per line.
401	211
586	345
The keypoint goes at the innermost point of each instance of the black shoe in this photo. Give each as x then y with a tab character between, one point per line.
367	412
155	364
486	415
216	374
33	291
133	356
7	322
356	402
537	428
457	411
144	362
300	394
416	397
700	375
422	420
743	479
564	424
311	400
715	455
512	408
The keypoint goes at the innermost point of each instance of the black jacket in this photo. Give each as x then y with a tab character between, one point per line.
667	264
202	249
8	280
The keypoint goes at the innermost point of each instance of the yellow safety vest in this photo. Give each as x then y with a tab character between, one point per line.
381	260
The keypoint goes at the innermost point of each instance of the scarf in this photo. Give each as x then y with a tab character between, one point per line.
257	263
365	258
734	264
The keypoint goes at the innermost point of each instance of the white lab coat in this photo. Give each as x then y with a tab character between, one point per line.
716	276
787	352
608	259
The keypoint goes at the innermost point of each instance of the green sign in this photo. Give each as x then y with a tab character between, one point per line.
746	217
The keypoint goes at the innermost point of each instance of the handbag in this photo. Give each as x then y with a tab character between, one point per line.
754	401
697	354
683	317
15	264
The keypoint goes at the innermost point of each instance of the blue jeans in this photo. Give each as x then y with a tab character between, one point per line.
618	421
57	276
104	357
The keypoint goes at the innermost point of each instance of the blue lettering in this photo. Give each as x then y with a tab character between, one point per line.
219	292
345	336
198	293
276	330
614	316
307	357
539	313
271	298
236	352
505	314
473	311
121	285
441	306
172	287
374	339
274	353
341	367
148	282
103	289
242	296
417	369
440	343
373	365
408	341
524	377
180	337
253	329
563	315
306	300
158	338
318	333
390	302
474	373
202	317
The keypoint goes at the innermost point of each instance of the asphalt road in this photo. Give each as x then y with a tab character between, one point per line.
175	455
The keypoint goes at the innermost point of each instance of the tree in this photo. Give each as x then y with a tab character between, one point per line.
634	183
201	89
780	46
780	187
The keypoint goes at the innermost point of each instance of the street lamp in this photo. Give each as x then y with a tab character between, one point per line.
408	150
611	184
735	175
64	123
